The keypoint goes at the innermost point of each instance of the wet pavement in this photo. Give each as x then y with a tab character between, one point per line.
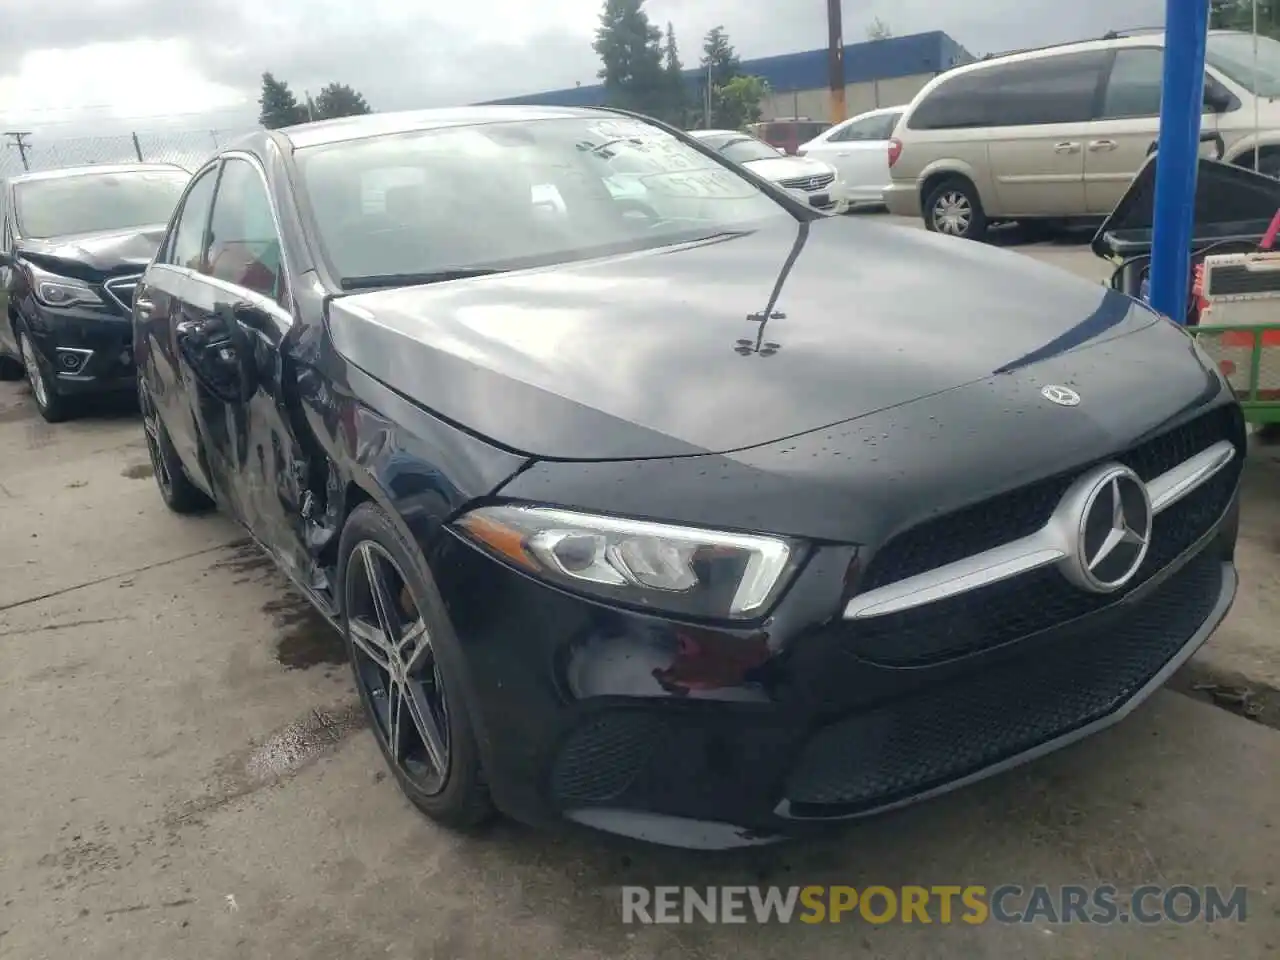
186	774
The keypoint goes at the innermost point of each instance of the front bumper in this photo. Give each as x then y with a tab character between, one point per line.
574	724
84	351
903	198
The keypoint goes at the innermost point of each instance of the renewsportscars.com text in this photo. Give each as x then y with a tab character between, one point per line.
940	904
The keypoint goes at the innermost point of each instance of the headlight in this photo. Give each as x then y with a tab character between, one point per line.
55	291
682	570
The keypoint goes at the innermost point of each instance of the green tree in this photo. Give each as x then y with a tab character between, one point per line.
737	103
878	30
339	100
279	107
630	51
1238	15
676	96
719	58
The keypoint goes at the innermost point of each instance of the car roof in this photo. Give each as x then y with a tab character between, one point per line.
63	173
322	132
1140	38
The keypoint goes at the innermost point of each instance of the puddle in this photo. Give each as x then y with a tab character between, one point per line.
1245	698
246	558
279	756
139	471
307	639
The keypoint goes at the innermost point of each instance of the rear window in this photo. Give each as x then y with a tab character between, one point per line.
1057	89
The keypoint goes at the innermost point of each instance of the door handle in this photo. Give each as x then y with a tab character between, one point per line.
143	308
1066	146
1099	145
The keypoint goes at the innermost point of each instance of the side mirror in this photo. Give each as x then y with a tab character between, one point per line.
7	259
1217	100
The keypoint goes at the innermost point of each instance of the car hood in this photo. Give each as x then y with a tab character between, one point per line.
786	168
107	252
668	352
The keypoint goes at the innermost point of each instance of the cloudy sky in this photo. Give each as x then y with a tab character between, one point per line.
75	67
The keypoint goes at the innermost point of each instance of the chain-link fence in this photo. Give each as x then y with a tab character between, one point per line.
186	148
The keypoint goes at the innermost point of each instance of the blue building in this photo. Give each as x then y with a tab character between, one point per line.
877	73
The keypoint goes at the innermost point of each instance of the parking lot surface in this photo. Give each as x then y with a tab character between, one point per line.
186	773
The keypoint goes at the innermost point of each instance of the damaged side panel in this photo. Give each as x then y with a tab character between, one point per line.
361	441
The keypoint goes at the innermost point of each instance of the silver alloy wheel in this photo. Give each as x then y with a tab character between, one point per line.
952	213
397	668
34	376
151	426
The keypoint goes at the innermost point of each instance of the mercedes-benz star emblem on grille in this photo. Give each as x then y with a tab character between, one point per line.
1113	531
1062	396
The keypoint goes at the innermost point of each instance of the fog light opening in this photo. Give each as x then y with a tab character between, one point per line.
71	360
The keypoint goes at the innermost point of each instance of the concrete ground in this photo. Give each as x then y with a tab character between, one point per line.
184	773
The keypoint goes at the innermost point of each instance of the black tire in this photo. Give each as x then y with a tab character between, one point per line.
953	208
11	369
452	791
176	489
54	407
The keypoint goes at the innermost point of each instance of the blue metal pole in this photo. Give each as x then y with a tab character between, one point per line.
1186	31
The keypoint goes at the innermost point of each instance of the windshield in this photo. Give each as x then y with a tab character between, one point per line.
94	202
745	149
506	195
1232	53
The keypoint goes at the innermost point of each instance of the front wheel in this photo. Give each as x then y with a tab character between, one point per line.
52	406
176	489
954	208
404	657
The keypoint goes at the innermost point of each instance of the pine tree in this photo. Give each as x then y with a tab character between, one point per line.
720	67
279	107
339	100
677	106
629	47
719	57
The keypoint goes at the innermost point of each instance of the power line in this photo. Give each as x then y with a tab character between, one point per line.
19	140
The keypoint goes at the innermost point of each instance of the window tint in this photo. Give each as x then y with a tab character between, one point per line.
1134	87
186	245
1057	89
244	247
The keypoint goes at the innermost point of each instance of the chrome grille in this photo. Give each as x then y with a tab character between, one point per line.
120	290
808	184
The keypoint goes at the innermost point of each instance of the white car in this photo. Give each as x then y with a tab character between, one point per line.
810	180
858	149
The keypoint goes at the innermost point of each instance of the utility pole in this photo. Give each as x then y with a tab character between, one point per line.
19	141
835	60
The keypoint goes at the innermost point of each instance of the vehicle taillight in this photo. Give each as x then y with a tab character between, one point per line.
895	150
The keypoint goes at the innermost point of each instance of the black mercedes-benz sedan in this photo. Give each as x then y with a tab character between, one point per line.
648	498
73	243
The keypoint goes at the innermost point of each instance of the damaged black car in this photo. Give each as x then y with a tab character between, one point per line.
649	499
73	244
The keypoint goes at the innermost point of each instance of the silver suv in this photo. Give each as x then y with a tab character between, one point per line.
1058	133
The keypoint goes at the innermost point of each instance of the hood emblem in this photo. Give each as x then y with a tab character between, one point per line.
1062	396
1112	531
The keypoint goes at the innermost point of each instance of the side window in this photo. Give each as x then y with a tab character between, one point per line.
1054	89
244	247
956	103
1059	89
861	130
1134	87
187	242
